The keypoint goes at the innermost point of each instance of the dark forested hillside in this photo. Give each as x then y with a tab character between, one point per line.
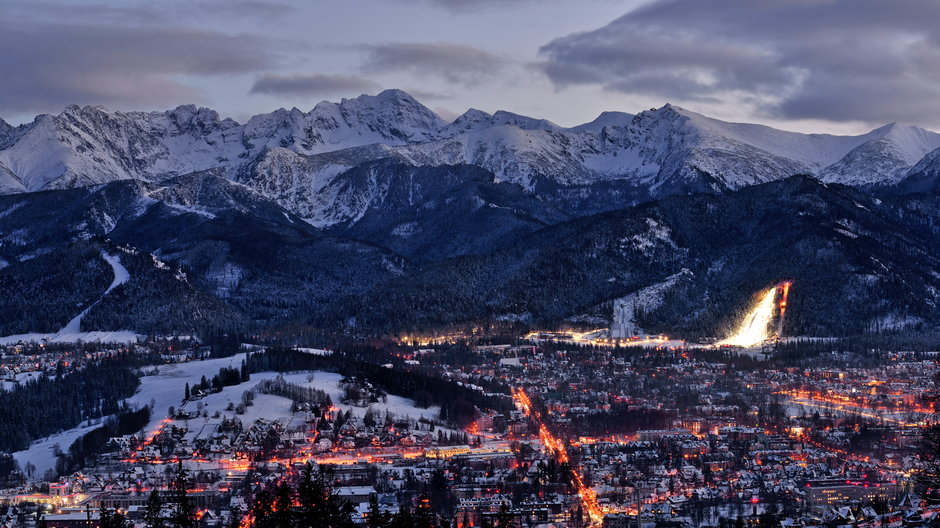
444	246
37	408
44	293
855	265
428	214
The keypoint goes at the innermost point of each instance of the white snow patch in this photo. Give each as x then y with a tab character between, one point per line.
656	234
195	210
315	351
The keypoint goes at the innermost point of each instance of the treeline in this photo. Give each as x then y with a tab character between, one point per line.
47	405
458	403
91	444
226	377
311	501
620	420
296	393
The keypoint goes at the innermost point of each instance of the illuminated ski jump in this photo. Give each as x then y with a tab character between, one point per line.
764	321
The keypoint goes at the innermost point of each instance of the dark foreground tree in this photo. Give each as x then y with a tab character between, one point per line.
184	511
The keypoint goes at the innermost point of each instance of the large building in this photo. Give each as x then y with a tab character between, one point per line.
824	494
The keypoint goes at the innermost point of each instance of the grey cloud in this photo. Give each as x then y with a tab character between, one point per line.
452	62
466	6
244	8
312	85
168	11
424	95
50	65
830	59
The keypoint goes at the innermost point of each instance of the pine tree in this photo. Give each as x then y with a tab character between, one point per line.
184	511
504	519
284	512
263	509
234	519
423	516
112	519
377	518
152	516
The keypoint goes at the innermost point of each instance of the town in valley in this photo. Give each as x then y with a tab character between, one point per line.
465	429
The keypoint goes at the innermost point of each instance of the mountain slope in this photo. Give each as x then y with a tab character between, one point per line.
854	266
885	158
236	257
432	213
924	176
232	244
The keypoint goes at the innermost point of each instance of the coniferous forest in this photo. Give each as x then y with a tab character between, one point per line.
48	404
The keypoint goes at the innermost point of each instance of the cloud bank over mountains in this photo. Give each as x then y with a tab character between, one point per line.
842	62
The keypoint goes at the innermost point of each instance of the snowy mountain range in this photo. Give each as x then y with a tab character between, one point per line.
374	213
295	157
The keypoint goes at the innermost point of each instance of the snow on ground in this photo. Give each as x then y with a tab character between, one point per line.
19	379
315	351
71	332
163	390
189	209
117	337
42	452
165	386
329	383
121	275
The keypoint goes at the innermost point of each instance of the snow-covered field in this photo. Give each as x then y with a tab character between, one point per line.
118	337
42	452
20	378
166	386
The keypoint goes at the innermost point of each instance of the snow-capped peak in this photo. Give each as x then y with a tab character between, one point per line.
502	117
470	120
911	143
293	155
885	157
605	119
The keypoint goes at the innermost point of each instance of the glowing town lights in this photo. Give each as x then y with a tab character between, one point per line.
557	448
784	292
755	329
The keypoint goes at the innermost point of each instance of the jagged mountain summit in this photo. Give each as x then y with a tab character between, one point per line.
293	157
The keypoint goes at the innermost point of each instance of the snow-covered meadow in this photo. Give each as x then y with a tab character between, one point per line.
164	387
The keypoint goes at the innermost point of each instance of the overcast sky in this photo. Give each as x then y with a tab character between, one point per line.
840	66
